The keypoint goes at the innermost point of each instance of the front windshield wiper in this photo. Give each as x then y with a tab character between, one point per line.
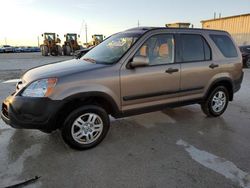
90	60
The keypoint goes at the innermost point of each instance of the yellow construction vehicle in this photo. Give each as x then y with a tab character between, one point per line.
71	44
51	45
96	39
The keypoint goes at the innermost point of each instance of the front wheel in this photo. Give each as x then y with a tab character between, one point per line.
45	50
59	49
85	127
67	50
216	103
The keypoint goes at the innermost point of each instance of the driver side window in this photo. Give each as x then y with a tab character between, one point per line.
159	49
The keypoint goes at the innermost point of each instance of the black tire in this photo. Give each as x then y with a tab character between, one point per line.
207	106
59	49
68	50
73	116
45	50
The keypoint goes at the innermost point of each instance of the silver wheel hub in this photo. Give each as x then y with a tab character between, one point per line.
219	101
87	128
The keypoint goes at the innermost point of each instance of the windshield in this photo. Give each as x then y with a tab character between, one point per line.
99	37
112	49
50	36
71	37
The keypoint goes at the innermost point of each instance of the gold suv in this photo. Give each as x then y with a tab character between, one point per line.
131	72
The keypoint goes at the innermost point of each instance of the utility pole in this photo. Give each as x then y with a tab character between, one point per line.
82	25
138	23
86	32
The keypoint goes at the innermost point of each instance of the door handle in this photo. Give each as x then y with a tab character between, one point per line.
213	66
171	70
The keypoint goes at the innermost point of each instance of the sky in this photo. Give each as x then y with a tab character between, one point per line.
22	21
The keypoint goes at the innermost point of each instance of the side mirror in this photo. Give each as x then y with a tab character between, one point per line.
64	35
57	35
79	36
42	35
139	61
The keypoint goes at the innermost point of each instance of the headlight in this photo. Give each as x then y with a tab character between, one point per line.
40	88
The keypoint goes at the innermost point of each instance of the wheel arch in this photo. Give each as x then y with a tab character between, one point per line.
226	82
89	98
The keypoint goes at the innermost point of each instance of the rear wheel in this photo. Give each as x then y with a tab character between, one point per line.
216	103
85	127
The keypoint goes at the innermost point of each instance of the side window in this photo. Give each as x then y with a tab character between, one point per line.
195	48
225	44
159	49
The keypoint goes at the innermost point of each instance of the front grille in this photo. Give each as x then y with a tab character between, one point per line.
5	110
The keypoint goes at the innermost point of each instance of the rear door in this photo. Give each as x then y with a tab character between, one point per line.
197	67
155	84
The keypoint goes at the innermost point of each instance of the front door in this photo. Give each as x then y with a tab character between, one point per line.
155	84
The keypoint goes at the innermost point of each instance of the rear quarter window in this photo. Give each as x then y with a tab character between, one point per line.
225	45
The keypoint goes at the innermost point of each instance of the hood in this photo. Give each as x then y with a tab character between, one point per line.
59	69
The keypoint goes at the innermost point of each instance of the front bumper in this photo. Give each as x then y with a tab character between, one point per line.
30	113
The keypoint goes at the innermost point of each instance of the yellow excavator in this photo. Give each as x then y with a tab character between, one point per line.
51	45
71	44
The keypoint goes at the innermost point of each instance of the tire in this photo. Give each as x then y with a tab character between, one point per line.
68	50
248	63
209	106
42	50
45	50
59	48
81	132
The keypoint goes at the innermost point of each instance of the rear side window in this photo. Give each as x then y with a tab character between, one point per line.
225	44
195	48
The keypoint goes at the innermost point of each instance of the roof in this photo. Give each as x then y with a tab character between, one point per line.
145	29
141	28
223	18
